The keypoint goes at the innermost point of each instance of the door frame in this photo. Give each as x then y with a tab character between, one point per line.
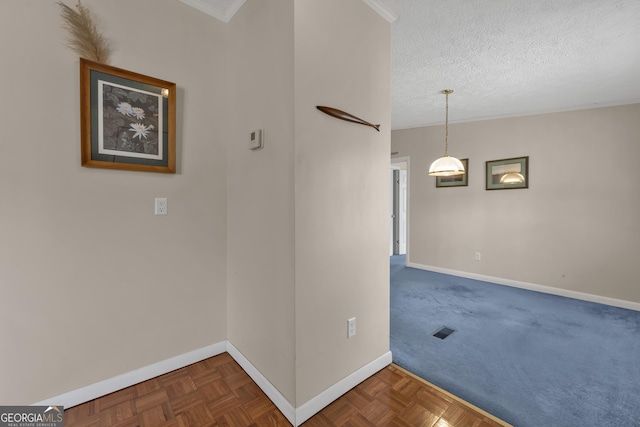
407	161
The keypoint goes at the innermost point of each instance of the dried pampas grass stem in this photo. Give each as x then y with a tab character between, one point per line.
84	37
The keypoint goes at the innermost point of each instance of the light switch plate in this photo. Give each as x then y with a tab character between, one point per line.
255	139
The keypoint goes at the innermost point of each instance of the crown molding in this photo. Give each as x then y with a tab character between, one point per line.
206	7
235	7
382	9
226	15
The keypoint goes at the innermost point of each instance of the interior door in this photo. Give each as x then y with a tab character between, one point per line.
395	215
391	214
402	212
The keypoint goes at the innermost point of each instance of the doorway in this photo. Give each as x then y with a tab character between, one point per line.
399	206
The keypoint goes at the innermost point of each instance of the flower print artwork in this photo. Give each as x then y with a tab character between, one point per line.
125	109
131	121
127	120
138	112
140	130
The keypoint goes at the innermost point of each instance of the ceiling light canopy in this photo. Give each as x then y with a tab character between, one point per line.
446	165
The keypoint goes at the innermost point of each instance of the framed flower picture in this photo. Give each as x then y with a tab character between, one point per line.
127	120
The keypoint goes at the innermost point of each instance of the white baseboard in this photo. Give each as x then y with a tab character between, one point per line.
296	416
93	391
315	405
272	393
532	287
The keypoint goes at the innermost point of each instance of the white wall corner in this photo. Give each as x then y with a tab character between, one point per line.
315	405
102	388
631	305
297	416
269	389
382	9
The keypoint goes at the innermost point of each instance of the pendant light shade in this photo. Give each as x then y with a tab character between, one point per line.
512	178
447	165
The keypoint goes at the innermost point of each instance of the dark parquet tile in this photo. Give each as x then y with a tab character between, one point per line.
217	392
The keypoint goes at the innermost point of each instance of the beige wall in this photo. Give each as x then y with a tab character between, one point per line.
260	190
342	60
272	250
576	227
303	251
93	284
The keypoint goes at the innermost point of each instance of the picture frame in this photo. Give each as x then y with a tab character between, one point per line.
127	120
455	180
507	174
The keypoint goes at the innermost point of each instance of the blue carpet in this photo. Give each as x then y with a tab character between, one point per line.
529	358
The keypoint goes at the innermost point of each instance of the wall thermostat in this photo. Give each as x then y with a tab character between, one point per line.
255	140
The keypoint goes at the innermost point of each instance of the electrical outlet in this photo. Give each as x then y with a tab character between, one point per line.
478	256
161	206
351	327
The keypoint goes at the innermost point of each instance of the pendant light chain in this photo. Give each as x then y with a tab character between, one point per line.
446	126
447	165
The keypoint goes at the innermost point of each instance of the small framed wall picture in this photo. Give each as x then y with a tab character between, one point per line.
507	174
127	120
456	180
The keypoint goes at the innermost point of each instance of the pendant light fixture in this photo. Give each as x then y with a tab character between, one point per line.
447	165
512	178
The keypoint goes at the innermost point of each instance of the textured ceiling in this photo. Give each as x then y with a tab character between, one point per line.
511	57
502	57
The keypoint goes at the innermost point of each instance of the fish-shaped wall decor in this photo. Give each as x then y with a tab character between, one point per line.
339	114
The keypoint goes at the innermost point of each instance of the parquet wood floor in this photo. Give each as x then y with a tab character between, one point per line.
217	392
